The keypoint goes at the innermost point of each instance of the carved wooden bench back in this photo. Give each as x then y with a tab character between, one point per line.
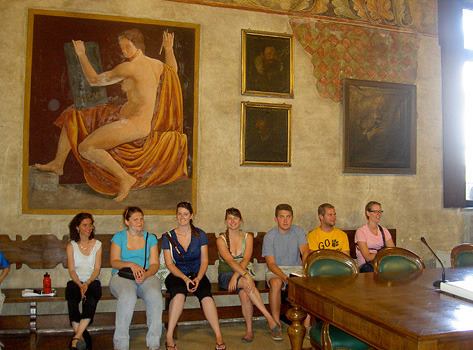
47	251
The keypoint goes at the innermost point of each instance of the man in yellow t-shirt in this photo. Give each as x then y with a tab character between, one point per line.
327	236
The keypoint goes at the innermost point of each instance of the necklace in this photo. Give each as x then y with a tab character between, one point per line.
183	234
85	248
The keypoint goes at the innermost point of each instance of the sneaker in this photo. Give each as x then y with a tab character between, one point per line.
276	333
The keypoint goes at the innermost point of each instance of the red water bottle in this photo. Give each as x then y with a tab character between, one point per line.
46	284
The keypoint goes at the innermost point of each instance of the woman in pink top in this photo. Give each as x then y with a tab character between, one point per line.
371	238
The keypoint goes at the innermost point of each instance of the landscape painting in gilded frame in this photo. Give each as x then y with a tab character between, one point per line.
77	153
379	127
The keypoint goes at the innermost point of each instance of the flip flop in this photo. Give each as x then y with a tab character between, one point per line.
218	346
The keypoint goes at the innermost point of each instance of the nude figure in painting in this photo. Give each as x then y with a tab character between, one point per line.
140	78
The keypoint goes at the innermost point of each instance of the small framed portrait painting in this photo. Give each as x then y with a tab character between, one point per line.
267	64
265	134
379	127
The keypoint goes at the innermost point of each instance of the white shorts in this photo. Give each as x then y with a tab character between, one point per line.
287	271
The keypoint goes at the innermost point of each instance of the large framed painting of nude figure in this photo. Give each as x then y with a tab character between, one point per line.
110	113
265	134
267	64
379	127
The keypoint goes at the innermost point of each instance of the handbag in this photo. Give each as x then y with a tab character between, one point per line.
127	272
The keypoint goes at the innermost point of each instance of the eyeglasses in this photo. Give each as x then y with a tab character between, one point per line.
376	211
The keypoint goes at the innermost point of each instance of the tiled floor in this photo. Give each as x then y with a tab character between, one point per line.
191	337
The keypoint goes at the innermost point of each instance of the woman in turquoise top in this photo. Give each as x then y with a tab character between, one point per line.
235	249
138	250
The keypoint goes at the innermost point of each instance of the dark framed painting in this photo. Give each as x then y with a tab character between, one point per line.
379	127
265	134
110	113
267	64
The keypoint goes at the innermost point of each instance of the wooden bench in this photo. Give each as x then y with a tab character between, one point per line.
47	251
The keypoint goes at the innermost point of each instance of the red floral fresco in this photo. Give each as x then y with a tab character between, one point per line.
349	51
412	15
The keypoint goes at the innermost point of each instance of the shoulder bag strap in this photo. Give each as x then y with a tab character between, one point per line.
382	233
176	249
146	252
174	245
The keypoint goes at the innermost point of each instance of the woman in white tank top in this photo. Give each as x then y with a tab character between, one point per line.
84	259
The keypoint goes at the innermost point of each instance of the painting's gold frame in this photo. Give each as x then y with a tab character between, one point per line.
380	127
251	44
248	110
111	206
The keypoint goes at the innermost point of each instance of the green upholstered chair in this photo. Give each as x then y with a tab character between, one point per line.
396	259
462	255
323	335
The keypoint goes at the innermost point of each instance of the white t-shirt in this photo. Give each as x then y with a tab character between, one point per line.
85	264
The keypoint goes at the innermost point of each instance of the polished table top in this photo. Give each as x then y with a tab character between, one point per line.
400	305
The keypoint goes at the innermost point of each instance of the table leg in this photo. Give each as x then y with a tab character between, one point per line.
296	330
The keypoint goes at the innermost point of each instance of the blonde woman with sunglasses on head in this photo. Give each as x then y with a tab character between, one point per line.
235	249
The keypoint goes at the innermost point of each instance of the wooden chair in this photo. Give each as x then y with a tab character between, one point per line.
396	259
329	262
323	335
462	255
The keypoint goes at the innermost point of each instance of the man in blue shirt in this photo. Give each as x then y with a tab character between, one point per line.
285	248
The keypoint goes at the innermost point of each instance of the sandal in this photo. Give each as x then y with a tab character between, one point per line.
245	340
219	346
81	347
87	339
171	347
248	340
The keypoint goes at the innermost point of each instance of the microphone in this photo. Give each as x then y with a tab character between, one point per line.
436	283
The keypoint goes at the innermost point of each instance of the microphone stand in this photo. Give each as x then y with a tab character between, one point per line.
436	283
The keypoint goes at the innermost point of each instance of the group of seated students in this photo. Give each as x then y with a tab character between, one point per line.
134	258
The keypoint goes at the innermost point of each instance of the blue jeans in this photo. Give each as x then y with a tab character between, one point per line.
127	291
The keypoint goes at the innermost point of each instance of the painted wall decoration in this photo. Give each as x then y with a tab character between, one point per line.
415	15
342	51
110	113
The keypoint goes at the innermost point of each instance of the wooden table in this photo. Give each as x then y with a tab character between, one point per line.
400	310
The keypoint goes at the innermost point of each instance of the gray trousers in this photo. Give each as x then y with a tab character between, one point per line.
127	291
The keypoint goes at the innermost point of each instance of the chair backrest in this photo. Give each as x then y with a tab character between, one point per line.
462	255
396	259
329	262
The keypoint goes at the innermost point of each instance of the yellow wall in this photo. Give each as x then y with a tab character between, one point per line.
412	204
